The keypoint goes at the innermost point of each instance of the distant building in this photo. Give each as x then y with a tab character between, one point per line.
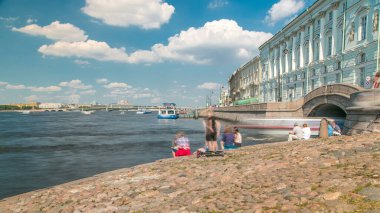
50	105
224	97
333	41
123	102
244	83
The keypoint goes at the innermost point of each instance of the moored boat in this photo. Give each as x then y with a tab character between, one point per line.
168	111
143	111
87	112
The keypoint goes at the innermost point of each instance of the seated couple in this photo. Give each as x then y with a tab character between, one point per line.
333	129
231	138
299	133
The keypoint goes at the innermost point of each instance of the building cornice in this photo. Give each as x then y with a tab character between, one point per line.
295	21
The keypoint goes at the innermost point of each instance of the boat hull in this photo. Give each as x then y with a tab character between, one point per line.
283	126
167	116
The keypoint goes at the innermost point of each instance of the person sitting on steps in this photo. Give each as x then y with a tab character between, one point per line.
296	134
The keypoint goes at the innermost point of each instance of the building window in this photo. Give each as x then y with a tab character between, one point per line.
313	72
329	47
330	16
363	28
324	80
337	78
362	58
312	84
303	89
361	78
338	65
319	23
316	50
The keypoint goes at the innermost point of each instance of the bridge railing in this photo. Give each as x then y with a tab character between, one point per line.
343	89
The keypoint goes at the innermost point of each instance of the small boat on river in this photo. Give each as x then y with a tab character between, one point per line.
168	111
143	111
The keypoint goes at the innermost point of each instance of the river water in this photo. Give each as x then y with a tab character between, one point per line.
43	149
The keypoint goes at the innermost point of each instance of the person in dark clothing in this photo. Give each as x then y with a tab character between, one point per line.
212	128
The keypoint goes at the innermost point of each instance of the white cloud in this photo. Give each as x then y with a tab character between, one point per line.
45	89
283	9
73	98
115	85
30	20
215	42
8	19
209	86
32	98
147	14
217	4
75	84
55	31
88	92
15	87
81	62
91	49
156	100
102	81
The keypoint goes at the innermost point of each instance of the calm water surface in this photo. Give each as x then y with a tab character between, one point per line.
45	149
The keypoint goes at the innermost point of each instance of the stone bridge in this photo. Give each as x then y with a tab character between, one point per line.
360	107
329	101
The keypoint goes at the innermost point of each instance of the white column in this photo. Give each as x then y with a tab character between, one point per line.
335	28
301	48
294	53
270	66
275	65
311	38
322	37
287	57
281	62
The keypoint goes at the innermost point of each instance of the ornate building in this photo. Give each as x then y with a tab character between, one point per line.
330	42
244	83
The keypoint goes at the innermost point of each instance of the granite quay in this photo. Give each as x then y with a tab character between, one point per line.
340	174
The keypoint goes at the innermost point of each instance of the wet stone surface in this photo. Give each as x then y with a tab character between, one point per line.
341	174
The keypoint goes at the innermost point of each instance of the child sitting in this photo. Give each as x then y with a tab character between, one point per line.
180	145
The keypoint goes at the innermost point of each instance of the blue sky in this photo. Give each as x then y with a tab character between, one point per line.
144	51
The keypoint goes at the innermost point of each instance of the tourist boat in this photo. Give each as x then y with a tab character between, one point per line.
143	111
25	112
87	112
168	111
282	126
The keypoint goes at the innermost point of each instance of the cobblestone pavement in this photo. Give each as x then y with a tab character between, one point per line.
341	174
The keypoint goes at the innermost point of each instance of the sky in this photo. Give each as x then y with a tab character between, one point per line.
143	51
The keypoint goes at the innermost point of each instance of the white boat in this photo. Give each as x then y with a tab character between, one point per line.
168	111
122	112
25	112
87	112
143	111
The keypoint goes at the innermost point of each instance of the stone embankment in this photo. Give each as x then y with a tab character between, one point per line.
341	174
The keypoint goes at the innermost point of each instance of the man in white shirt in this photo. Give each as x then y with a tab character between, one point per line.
296	134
